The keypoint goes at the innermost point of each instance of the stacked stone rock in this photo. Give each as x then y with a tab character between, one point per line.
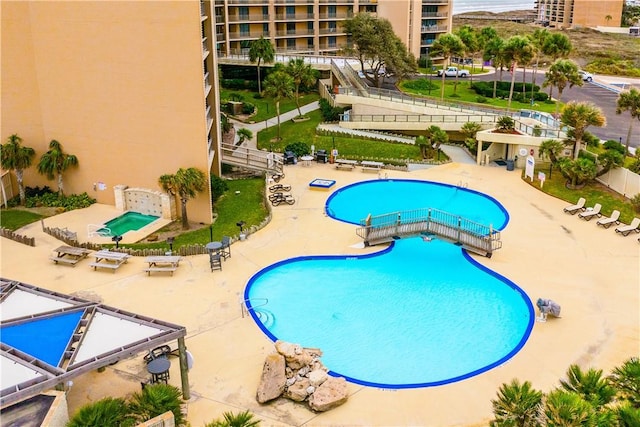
298	374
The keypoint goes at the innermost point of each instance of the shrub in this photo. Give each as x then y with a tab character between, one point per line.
37	191
298	148
615	145
104	412
481	99
69	203
218	187
635	202
329	113
242	419
156	399
505	124
248	108
237	97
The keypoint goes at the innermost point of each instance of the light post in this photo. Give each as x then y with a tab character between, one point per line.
430	68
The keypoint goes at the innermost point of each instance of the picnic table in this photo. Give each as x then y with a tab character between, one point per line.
161	263
69	255
112	260
346	164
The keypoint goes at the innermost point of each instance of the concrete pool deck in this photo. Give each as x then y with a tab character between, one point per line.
593	273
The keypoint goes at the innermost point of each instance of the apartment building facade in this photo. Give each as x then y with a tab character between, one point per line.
579	13
130	88
315	27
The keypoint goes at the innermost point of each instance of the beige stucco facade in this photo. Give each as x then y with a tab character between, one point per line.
125	86
579	13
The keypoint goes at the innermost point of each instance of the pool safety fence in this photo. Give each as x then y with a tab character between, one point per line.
10	234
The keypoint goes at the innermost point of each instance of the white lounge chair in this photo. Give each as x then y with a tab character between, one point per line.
626	229
606	222
572	209
591	212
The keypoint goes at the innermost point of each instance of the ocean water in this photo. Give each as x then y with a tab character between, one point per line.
462	6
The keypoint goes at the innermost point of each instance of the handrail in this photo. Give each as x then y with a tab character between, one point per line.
93	230
244	309
252	158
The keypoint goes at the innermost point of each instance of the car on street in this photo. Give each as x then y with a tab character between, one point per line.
453	71
586	76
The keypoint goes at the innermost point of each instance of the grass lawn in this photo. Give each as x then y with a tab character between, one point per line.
464	94
16	218
355	148
266	107
593	192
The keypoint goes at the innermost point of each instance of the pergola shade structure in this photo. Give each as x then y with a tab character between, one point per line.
48	338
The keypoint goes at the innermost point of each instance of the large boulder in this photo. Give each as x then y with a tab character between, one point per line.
298	391
273	378
332	393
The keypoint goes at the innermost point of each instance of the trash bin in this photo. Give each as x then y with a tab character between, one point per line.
510	165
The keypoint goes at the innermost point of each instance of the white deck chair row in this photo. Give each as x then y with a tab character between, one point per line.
605	222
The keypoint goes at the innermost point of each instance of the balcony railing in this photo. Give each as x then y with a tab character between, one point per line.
207	84
250	17
331	31
337	15
294	16
290	2
299	32
239	35
433	28
435	14
246	2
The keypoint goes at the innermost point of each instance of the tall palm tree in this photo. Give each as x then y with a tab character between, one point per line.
303	75
629	101
55	162
551	148
486	35
17	158
261	50
185	184
556	45
626	379
579	116
516	405
279	85
537	38
562	73
471	42
495	51
520	50
447	46
590	384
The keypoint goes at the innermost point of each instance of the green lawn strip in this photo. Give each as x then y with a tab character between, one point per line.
466	95
17	218
593	192
266	107
248	206
356	148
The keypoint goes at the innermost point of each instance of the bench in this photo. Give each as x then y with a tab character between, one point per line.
346	166
70	261
169	269
113	266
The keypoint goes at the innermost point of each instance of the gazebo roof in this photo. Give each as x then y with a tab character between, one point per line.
48	338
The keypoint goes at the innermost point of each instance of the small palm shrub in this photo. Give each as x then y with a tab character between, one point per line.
105	412
505	124
156	399
243	419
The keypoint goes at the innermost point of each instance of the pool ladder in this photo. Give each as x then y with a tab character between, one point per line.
245	310
94	230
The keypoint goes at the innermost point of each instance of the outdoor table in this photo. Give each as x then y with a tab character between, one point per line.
159	370
111	260
346	164
69	255
162	263
213	246
306	160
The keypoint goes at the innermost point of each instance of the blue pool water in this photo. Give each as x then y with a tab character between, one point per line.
129	221
420	313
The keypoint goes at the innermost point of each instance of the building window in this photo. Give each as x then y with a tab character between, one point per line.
244	30
265	12
332	26
291	28
243	12
265	29
291	44
310	43
332	41
291	11
309	11
332	11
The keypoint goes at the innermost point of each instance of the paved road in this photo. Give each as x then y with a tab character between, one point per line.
597	93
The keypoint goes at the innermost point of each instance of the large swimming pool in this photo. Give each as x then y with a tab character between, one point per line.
419	313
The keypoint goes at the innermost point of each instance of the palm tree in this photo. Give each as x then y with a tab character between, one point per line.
243	135
556	45
495	51
520	50
486	35
566	409
626	379
591	385
17	158
562	73
579	116
227	129
55	162
279	85
242	419
104	412
629	101
436	137
156	399
471	43
303	75
447	46
551	148
627	415
577	171
261	50
517	405
537	38
185	184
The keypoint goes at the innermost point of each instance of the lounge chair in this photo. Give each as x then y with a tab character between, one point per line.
591	212
606	222
279	187
626	229
286	198
225	250
572	209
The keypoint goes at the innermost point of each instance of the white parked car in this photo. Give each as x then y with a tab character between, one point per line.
587	77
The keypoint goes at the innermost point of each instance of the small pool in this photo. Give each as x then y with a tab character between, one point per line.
420	313
129	221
